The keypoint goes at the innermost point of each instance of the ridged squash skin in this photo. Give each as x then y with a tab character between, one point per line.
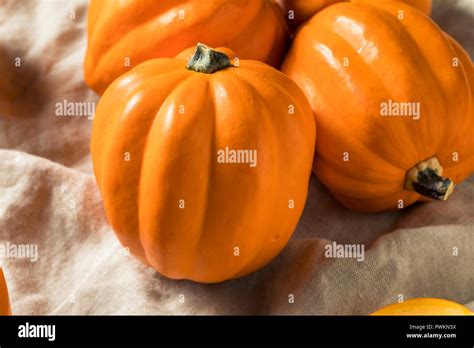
424	306
123	34
303	10
4	300
351	60
172	203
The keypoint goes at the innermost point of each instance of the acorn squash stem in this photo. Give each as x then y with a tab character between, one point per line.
207	60
426	179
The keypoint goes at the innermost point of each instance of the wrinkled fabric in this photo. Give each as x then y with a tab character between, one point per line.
49	198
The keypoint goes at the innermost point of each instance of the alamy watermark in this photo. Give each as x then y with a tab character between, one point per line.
28	330
393	108
78	109
19	251
228	155
355	251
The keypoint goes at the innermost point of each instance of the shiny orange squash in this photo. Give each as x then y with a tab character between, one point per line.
172	147
122	34
299	11
393	100
4	301
424	306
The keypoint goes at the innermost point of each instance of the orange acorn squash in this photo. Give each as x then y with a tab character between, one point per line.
175	191
299	11
424	306
4	301
393	100
303	10
122	34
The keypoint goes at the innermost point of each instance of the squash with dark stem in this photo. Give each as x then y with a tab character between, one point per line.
393	100
159	146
